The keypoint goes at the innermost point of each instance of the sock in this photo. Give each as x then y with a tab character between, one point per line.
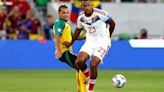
91	84
82	80
86	73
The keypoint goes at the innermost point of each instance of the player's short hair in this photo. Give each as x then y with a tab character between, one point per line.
62	6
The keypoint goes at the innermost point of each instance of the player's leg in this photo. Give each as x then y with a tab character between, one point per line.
78	82
84	54
81	60
79	76
93	72
81	63
82	81
69	58
97	58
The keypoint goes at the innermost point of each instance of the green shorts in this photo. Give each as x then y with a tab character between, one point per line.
69	58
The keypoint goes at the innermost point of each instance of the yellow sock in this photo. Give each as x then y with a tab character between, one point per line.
82	80
78	82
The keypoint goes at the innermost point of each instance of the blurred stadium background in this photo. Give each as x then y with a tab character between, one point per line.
27	62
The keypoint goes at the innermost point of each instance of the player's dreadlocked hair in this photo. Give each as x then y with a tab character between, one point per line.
62	6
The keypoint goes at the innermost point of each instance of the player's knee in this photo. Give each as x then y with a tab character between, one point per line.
80	60
82	57
95	62
78	63
93	65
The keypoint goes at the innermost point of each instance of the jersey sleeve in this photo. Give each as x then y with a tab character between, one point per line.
79	23
58	27
105	17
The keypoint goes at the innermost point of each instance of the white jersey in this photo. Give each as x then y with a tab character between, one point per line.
95	25
97	37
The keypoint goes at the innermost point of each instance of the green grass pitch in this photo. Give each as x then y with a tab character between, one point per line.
64	81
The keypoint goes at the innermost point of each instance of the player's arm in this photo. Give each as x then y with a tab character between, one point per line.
76	33
57	30
77	30
74	37
57	41
58	52
107	19
112	25
82	35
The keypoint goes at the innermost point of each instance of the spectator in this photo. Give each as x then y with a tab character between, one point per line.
7	26
14	17
22	5
7	4
23	28
143	34
48	27
3	17
35	31
162	37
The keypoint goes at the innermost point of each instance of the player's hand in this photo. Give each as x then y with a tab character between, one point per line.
58	54
67	44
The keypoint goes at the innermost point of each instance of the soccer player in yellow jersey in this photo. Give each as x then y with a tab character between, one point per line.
63	33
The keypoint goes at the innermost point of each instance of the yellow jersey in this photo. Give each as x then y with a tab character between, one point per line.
62	28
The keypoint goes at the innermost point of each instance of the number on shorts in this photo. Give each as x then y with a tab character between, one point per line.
102	51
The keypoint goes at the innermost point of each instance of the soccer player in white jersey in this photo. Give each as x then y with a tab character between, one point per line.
99	27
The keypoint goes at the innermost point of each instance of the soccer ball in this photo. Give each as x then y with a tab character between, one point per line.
119	80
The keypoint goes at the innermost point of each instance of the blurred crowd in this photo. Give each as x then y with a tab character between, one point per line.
143	33
135	1
19	21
